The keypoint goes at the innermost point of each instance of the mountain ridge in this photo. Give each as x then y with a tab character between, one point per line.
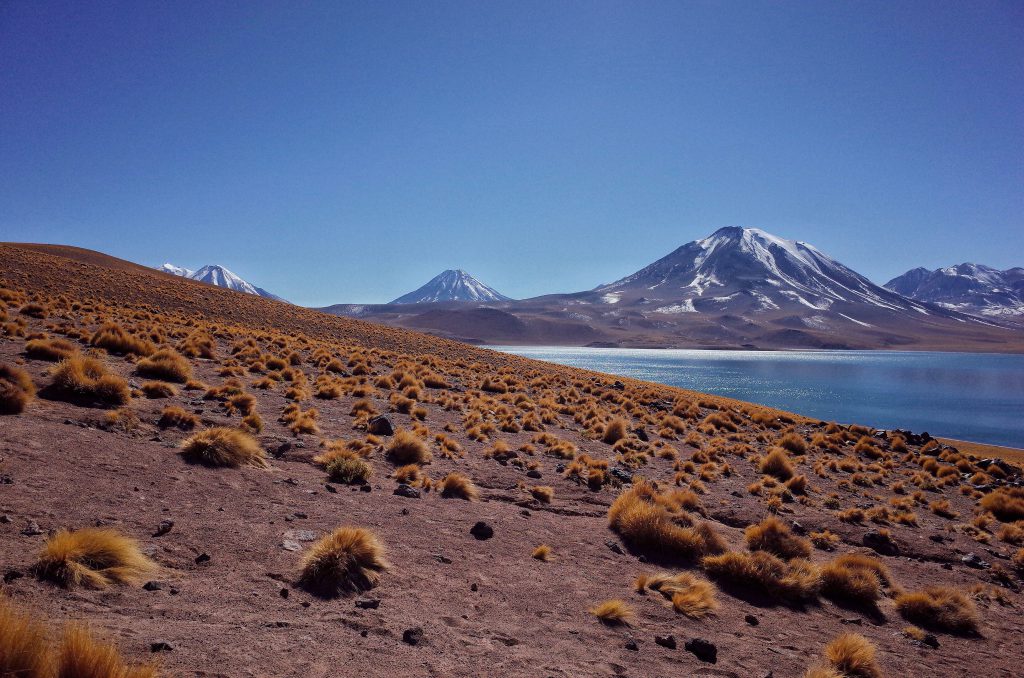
452	285
219	276
969	288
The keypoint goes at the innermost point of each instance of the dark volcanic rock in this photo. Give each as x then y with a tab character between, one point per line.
482	531
413	636
380	425
704	650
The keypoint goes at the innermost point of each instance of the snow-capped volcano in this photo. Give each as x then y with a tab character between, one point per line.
970	288
213	274
452	285
747	270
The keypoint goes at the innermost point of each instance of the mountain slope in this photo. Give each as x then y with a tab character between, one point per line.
219	276
970	288
452	285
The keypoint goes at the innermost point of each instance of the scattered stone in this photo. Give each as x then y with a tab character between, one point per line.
525	513
32	529
380	425
442	559
621	474
881	543
798	528
5	519
289	545
938	538
160	646
975	561
202	558
284	592
752	620
666	641
12	574
614	546
857	621
368	603
704	650
632	645
153	586
282	449
407	491
931	641
163	528
473	587
300	515
331	488
413	636
641	433
482	531
300	535
533	473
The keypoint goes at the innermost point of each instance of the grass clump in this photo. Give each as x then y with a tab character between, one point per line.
407	448
166	364
773	536
1006	503
16	389
543	493
542	552
459	486
849	655
613	612
53	350
155	390
92	557
614	431
347	560
223	446
939	608
348	470
690	595
854	578
173	416
115	339
761	573
776	463
23	649
81	655
87	381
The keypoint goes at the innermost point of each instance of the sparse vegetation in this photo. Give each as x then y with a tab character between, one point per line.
773	536
86	381
613	612
166	364
16	389
939	608
407	448
92	557
690	595
459	486
223	446
349	559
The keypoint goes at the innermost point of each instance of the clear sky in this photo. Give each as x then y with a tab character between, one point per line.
347	152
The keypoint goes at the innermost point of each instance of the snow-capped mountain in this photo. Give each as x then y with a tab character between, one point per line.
213	274
749	271
969	288
452	285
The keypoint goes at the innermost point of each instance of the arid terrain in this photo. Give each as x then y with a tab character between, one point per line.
226	434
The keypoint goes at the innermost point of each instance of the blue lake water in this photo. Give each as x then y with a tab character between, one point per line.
968	396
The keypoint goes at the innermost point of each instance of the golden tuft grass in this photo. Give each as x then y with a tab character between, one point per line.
939	608
166	364
16	389
542	552
93	557
762	573
776	463
222	446
854	578
851	655
81	655
24	652
158	389
115	339
459	486
87	381
543	493
53	350
773	536
407	448
1006	503
615	430
613	612
350	470
347	560
173	416
690	595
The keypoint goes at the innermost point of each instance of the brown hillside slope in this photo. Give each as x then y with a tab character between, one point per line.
255	521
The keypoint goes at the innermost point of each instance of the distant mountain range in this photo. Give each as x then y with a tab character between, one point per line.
738	287
452	285
970	288
213	274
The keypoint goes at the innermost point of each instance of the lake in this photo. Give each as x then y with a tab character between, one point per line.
968	396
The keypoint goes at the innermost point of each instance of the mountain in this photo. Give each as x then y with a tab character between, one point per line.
213	274
736	288
452	285
970	288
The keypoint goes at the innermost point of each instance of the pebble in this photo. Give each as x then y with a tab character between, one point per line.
666	641
482	531
704	650
413	636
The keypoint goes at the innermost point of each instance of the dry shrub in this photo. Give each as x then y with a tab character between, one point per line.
773	536
166	364
348	470
825	540
223	446
158	389
762	573
615	430
650	524
849	655
690	595
793	442
543	493
854	578
93	557
86	381
459	486
53	350
939	608
114	339
612	612
542	552
173	416
1006	503
83	656
776	463
16	389
407	448
23	648
347	560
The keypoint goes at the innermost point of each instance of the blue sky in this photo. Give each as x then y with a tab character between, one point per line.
335	152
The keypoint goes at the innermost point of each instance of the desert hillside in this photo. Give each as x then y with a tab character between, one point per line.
199	482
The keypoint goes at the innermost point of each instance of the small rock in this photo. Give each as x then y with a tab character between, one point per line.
407	491
300	515
289	545
975	561
368	603
300	535
12	574
163	528
881	543
533	473
442	559
621	474
202	558
32	529
632	645
525	513
153	586
473	587
798	528
284	592
413	636
160	646
380	425
5	519
365	488
482	531
857	621
704	650
331	488
752	620
930	640
282	449
614	546
938	538
666	641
